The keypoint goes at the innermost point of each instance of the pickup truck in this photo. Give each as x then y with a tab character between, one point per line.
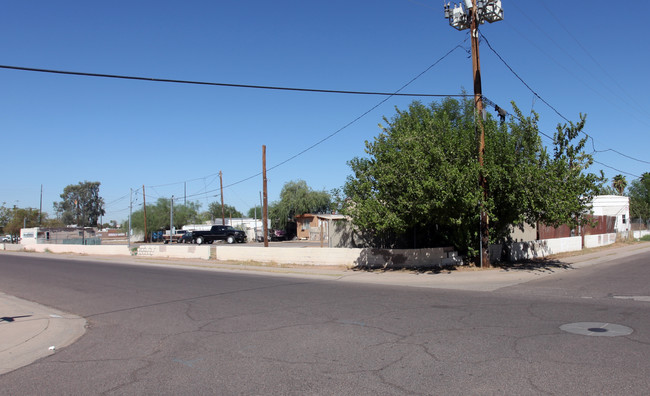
218	233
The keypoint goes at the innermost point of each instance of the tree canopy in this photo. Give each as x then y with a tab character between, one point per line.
639	193
214	211
418	185
158	215
297	198
81	204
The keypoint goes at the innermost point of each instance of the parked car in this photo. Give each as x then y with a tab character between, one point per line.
187	238
175	238
6	238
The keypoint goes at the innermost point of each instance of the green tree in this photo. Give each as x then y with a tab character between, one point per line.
297	198
418	186
619	183
5	216
639	193
255	212
20	218
214	211
81	204
158	215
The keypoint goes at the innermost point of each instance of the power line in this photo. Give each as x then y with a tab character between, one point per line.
618	170
549	105
218	84
396	93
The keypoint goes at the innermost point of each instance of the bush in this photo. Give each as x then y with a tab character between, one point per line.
645	238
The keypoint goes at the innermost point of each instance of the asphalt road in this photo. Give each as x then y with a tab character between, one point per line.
173	331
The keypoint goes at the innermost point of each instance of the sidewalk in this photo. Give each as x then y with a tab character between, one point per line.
30	331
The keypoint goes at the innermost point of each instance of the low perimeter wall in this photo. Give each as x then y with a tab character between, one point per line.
544	247
351	257
187	251
112	250
599	240
640	234
173	251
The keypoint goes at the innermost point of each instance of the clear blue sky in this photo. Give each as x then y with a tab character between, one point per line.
589	57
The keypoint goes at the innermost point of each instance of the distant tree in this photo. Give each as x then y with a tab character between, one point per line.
5	216
619	183
255	212
81	204
639	193
214	211
158	215
297	198
20	218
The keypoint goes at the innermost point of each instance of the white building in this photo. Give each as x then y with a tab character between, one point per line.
613	205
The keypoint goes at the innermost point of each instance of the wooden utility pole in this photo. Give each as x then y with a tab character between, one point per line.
223	212
265	208
478	102
144	209
468	15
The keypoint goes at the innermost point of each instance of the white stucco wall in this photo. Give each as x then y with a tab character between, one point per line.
543	248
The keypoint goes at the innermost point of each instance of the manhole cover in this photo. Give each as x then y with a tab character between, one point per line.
597	329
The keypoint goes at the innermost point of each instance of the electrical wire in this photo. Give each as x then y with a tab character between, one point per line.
166	80
396	93
549	105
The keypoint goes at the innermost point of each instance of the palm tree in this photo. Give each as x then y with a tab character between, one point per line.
619	184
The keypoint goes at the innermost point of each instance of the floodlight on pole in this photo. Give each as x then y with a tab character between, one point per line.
460	15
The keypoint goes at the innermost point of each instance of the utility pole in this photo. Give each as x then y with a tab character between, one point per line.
473	13
171	221
40	210
144	209
223	212
128	232
265	206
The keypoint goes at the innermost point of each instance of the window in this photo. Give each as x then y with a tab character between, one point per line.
623	219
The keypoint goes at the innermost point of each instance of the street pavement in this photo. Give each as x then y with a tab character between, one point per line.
31	331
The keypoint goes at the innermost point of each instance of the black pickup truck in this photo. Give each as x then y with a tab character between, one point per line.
216	233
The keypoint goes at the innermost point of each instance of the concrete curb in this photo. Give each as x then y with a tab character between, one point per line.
30	331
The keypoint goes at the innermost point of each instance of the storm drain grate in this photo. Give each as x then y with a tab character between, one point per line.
597	329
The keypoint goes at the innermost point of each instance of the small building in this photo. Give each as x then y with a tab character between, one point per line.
316	227
613	205
59	235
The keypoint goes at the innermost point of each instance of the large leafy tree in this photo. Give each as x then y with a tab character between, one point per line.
419	187
297	198
81	204
639	193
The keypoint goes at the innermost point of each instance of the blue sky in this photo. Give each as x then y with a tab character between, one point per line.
174	139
